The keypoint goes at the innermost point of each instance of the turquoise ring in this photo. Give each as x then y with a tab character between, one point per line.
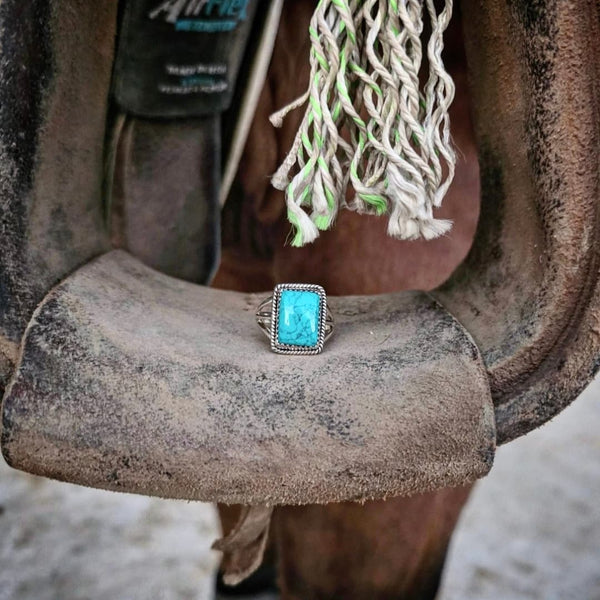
296	318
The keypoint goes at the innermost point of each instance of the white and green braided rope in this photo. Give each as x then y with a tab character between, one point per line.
372	139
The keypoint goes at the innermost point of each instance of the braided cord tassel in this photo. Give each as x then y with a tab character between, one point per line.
372	139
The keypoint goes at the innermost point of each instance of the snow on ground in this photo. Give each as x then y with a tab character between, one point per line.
531	530
65	542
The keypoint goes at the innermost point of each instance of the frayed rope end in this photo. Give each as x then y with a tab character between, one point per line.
323	222
371	127
414	229
305	231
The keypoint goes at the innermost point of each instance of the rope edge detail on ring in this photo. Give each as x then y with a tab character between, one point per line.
266	319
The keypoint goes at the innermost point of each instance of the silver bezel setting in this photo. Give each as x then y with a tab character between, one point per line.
287	348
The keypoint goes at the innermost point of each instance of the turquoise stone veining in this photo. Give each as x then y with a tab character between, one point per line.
299	316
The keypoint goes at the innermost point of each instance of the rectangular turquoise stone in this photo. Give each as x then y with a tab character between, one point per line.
299	318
